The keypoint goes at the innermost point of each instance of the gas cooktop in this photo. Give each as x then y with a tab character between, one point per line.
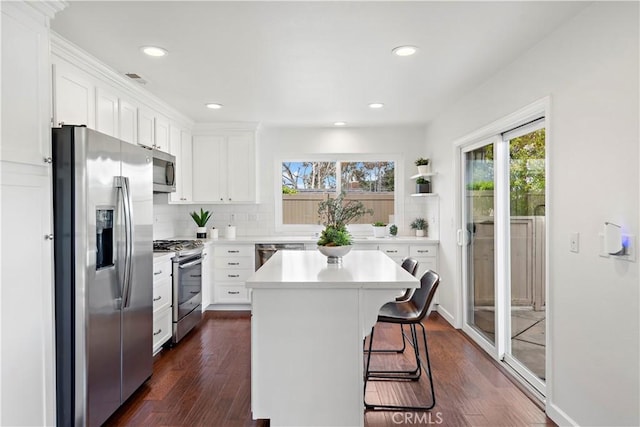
176	245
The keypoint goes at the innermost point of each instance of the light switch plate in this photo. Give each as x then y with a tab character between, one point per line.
574	242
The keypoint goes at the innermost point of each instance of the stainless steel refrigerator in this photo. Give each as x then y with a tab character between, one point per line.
103	249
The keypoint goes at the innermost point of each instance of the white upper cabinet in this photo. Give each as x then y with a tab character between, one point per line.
224	167
107	115
74	96
180	147
161	133
25	87
128	121
146	127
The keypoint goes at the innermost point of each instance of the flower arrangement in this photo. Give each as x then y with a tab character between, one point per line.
335	214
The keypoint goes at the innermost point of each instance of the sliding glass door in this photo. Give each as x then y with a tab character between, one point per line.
503	247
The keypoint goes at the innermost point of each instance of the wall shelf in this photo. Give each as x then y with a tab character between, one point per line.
424	175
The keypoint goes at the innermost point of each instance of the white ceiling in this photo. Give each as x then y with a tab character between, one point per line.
311	63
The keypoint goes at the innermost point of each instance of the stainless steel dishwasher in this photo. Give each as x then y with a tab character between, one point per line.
264	251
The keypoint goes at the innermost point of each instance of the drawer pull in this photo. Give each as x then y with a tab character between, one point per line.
389	251
233	252
423	251
233	275
155	273
233	292
233	263
158	332
157	299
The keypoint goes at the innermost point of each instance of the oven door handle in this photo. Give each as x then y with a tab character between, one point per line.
191	264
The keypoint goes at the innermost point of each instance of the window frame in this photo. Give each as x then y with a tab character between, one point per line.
354	229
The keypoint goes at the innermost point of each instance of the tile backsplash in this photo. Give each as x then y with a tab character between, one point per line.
258	219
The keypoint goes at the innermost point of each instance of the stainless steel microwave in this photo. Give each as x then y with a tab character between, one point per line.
164	172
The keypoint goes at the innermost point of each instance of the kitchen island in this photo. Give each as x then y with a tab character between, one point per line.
308	322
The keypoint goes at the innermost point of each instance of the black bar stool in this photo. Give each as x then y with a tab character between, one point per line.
411	313
411	266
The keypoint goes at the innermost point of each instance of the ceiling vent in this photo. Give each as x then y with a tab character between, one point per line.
136	78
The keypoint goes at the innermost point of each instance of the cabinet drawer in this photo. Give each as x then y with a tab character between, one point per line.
229	275
423	251
241	250
161	270
161	294
161	328
395	251
232	294
235	263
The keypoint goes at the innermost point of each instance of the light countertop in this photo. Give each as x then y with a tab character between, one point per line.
311	240
309	269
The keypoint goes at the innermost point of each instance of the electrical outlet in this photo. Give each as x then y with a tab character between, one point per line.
574	242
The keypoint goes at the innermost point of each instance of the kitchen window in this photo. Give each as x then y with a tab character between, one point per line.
304	183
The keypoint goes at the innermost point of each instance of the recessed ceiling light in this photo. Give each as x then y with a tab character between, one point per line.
340	123
376	105
153	51
214	106
405	50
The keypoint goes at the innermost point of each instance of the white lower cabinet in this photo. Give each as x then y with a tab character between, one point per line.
161	303
232	267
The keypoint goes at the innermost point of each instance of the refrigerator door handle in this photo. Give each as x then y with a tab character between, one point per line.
122	182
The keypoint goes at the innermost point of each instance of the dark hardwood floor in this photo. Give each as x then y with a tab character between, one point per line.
205	381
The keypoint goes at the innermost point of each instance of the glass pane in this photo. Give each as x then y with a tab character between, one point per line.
373	184
304	185
527	196
479	194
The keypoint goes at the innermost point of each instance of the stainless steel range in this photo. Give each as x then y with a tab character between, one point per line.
187	283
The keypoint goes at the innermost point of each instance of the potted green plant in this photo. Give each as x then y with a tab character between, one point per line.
424	166
201	220
379	229
393	230
423	185
420	225
335	241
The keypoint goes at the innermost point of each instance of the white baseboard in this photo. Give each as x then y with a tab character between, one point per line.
228	307
447	316
558	415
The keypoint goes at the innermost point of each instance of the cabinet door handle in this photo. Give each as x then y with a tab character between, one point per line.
155	273
158	332
48	160
233	275
423	251
233	292
158	299
48	237
233	263
233	252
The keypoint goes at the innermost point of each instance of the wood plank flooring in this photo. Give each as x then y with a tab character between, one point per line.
205	381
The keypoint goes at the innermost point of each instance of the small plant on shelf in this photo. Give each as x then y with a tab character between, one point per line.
379	229
423	166
420	225
379	224
393	230
423	185
201	220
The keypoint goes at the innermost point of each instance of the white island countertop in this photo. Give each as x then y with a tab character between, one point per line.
309	269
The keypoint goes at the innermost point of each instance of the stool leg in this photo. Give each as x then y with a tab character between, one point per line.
393	350
411	375
428	407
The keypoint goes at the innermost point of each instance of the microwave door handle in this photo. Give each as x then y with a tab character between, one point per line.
170	174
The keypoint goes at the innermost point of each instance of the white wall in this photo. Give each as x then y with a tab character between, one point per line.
589	67
405	141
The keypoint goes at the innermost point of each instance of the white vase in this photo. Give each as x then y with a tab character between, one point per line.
201	232
424	169
334	254
379	231
419	233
